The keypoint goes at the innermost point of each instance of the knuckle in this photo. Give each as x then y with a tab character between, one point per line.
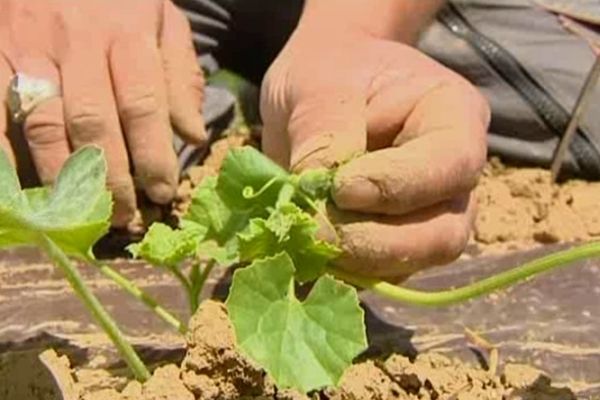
482	105
138	104
452	242
86	124
44	132
471	164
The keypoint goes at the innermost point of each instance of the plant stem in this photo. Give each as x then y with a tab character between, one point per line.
198	280
484	286
186	284
194	278
142	296
323	216
95	307
181	278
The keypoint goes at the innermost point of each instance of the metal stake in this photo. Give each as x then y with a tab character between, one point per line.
578	111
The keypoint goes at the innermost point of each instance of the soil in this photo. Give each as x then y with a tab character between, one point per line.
213	369
521	207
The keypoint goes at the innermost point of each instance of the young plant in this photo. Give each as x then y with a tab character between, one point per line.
65	221
258	216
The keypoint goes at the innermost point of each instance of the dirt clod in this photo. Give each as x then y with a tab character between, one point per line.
213	368
519	207
366	381
166	384
521	376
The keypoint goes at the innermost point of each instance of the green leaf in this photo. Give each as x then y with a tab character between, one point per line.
292	230
11	196
74	214
249	180
305	345
209	210
224	255
164	246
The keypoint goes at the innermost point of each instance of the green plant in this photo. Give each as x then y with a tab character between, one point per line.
65	222
262	218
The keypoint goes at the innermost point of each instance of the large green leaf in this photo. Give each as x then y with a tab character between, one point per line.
292	230
246	171
75	213
306	345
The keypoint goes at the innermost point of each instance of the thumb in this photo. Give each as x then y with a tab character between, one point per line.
327	127
311	127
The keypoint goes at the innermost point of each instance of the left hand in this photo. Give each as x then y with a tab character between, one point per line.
127	73
413	131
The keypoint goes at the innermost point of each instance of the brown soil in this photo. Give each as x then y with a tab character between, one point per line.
520	207
213	369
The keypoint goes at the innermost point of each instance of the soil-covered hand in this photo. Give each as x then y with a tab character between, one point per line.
127	70
408	135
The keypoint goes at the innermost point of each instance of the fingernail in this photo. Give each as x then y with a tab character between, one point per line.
356	193
160	192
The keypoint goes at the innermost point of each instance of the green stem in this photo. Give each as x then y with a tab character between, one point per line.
323	216
248	192
95	307
194	278
186	284
198	281
286	194
139	294
487	285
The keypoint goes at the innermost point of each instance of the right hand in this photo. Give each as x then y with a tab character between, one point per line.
126	72
408	135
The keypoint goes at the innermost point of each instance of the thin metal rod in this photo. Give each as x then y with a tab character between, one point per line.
578	111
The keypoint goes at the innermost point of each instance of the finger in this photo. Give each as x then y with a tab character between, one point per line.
393	96
140	92
5	75
185	81
44	127
393	247
323	125
91	115
444	159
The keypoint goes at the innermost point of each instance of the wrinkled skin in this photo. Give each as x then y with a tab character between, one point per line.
407	133
127	74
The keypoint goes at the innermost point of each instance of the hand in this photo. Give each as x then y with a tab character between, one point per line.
126	73
408	134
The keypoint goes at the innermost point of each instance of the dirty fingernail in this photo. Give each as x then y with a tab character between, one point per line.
356	194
